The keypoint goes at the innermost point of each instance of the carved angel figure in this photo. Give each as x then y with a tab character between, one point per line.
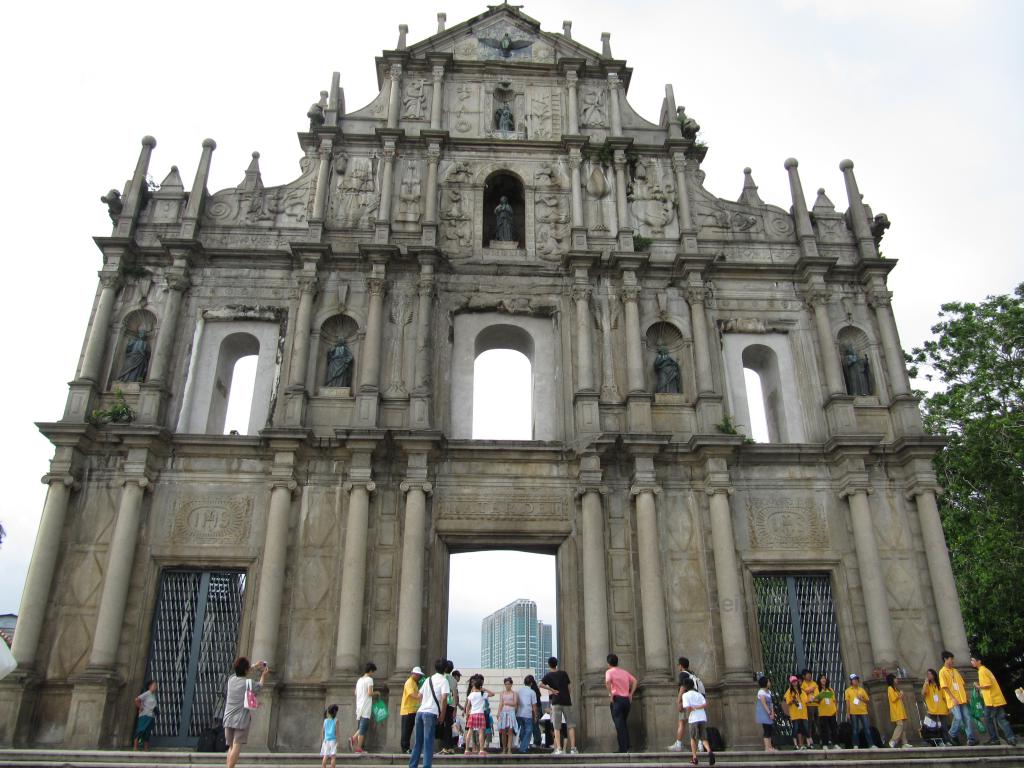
414	100
506	44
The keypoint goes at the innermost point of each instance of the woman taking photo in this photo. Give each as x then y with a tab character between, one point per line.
236	715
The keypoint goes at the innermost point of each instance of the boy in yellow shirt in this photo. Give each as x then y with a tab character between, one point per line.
995	704
953	688
857	708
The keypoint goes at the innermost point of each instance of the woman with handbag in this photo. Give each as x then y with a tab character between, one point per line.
239	701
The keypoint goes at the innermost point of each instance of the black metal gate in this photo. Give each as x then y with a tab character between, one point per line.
797	621
195	632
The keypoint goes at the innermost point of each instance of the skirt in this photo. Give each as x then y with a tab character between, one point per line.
477	721
507	719
329	748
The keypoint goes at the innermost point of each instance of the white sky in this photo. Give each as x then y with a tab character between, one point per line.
924	95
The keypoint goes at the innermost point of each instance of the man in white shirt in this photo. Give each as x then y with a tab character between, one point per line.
432	708
364	708
525	715
695	705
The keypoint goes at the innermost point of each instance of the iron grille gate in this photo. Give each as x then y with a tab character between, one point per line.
797	621
195	631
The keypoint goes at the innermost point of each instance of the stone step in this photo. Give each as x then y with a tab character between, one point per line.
1001	757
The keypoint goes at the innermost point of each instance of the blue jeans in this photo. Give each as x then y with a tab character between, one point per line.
994	716
526	733
859	724
423	740
962	720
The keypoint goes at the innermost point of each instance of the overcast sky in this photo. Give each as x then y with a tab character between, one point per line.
924	96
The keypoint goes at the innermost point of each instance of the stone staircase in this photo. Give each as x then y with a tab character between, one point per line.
925	757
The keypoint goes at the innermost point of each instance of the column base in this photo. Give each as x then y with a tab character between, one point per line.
709	412
264	720
18	694
638	412
93	700
82	397
906	416
152	403
294	406
839	413
625	239
656	726
381	233
588	413
736	694
596	732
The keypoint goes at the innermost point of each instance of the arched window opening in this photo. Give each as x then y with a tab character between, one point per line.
233	349
239	400
767	395
504	210
758	425
502	396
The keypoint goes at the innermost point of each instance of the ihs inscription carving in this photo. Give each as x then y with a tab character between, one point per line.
213	520
783	523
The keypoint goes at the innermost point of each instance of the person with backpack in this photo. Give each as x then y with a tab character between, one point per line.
684	673
432	708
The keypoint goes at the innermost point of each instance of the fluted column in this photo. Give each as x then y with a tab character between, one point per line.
39	578
584	348
895	364
371	348
117	577
947	601
394	96
621	203
634	356
177	283
858	216
652	595
818	299
267	624
595	590
701	354
322	175
571	80
96	346
410	598
353	576
613	104
731	608
872	579
300	347
437	98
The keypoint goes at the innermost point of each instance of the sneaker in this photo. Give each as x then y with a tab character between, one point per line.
574	751
873	746
856	746
908	745
892	745
677	747
352	743
700	746
711	758
558	752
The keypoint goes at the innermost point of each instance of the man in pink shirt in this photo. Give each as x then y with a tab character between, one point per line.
621	686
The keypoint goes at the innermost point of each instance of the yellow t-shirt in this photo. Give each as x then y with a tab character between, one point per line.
856	700
410	702
811	689
897	711
934	699
797	707
951	679
993	694
827	703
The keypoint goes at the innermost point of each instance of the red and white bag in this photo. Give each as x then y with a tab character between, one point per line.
250	702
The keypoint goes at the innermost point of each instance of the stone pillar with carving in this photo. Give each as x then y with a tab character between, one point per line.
881	301
872	577
382	229
652	595
947	601
323	175
437	98
585	396
414	542
369	380
688	232
155	391
709	402
571	81
575	160
430	212
818	299
613	102
394	96
419	400
353	575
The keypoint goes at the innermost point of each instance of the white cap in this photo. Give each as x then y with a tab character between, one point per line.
417	671
855	676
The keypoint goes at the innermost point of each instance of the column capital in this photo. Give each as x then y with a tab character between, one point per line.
585	488
375	286
629	293
678	162
639	488
433	152
437	72
717	486
696	294
817	295
395	72
111	278
613	79
571	78
178	280
854	486
307	283
143	482
68	480
416	485
581	292
291	485
619	157
921	486
351	485
879	298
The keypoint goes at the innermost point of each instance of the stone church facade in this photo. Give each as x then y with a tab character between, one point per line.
321	538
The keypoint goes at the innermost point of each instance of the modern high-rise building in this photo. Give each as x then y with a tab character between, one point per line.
511	637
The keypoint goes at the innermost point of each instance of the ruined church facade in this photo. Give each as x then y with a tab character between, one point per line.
499	193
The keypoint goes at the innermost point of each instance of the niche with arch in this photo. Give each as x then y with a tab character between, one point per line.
534	337
332	330
504	184
769	356
135	321
668	334
857	361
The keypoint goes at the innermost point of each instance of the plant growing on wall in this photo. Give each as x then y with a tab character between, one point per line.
119	412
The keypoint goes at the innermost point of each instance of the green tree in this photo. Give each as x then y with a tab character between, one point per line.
978	356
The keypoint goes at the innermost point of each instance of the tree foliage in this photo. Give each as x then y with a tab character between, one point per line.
978	356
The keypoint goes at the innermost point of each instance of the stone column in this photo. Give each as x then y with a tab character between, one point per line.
571	79
804	230
425	298
895	365
132	203
682	191
386	183
575	159
394	97
433	157
728	583
947	602
117	578
267	624
858	216
177	283
621	203
584	347
300	347
613	104
437	98
96	346
370	378
634	356
322	176
410	599
872	580
595	589
818	299
353	576
190	218
35	597
652	597
702	356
